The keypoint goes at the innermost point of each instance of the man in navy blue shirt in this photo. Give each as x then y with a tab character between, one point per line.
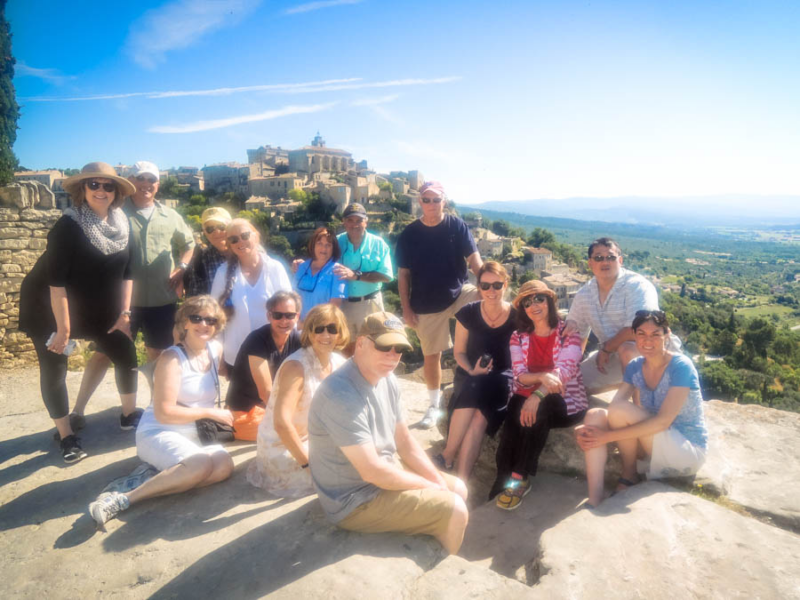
432	257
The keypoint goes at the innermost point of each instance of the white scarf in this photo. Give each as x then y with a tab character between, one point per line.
109	236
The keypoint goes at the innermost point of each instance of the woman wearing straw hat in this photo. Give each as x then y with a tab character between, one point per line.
205	262
548	391
81	288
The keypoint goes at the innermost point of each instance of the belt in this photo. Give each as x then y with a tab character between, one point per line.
367	297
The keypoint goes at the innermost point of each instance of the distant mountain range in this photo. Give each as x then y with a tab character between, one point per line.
686	212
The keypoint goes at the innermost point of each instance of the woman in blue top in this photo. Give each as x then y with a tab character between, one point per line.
315	280
665	419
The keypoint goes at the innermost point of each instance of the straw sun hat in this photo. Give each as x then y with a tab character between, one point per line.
97	170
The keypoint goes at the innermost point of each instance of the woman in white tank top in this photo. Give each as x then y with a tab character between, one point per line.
185	390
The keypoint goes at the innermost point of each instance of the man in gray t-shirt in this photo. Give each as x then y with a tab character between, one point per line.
357	432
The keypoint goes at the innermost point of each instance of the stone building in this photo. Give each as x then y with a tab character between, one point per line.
46	177
415	180
268	155
565	286
276	187
227	177
318	157
539	258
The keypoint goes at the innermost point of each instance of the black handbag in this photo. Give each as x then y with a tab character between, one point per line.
208	430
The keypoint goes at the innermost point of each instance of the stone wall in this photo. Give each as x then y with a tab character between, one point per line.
26	216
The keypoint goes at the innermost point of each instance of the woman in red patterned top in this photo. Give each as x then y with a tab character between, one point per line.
547	386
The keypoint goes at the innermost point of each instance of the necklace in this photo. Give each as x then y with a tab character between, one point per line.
194	360
496	320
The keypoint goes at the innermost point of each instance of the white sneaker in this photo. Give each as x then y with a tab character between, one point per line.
431	418
106	507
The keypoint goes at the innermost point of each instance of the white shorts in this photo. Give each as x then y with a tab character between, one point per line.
673	456
164	449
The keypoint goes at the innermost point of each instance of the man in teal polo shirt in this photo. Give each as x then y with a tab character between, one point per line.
366	264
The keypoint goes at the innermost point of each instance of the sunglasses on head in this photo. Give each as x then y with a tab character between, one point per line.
609	258
429	200
398	348
279	316
96	185
658	316
197	319
498	285
330	328
536	299
212	228
244	236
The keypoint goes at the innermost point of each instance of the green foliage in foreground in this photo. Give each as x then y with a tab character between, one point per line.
9	110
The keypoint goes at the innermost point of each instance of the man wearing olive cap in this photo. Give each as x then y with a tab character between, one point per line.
358	437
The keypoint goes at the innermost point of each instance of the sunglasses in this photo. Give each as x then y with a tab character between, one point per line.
609	258
234	239
330	328
197	319
279	316
658	316
530	300
498	285
143	178
96	185
398	348
429	200
212	228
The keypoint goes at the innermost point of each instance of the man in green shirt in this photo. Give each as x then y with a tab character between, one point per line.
157	235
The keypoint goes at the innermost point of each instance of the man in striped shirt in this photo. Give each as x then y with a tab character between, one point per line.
606	306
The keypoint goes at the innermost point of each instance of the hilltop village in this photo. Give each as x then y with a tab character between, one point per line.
278	183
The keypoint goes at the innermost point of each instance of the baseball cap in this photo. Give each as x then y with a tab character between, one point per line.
216	213
144	167
354	208
385	329
432	186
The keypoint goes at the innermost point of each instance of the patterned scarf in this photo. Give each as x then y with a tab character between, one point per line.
109	236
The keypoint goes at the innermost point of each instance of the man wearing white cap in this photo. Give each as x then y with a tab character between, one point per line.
370	473
157	235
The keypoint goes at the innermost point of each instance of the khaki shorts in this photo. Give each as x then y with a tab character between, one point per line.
357	312
433	329
596	382
408	511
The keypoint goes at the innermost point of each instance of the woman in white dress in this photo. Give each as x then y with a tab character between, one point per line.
186	387
243	285
281	465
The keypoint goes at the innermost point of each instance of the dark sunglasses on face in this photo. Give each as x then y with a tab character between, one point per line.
212	228
197	319
143	178
609	258
498	285
96	185
279	316
234	239
530	300
399	348
429	200
330	328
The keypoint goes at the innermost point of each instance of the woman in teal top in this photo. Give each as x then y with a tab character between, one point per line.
315	280
665	420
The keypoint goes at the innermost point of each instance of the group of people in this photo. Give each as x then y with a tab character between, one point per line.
324	422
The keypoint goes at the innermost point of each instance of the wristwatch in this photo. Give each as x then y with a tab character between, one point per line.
183	266
603	348
125	313
358	274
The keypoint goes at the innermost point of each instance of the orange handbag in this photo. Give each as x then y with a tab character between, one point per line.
245	424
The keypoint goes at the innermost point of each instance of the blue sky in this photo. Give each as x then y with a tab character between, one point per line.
498	100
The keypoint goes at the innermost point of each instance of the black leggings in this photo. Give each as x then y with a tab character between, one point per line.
53	369
520	447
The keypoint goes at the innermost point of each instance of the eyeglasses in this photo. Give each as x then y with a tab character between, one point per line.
197	319
96	185
498	285
530	300
609	258
398	348
234	239
279	316
143	178
429	200
330	328
212	228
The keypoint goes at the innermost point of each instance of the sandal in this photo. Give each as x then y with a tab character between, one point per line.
440	463
512	496
626	482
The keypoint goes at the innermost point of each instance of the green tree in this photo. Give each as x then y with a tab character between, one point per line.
758	336
541	236
9	109
298	195
278	244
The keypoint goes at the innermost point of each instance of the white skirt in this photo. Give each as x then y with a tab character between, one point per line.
673	456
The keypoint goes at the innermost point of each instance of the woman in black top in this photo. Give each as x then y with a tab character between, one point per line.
483	329
81	288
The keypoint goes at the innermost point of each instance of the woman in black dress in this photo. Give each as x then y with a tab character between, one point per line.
81	288
483	329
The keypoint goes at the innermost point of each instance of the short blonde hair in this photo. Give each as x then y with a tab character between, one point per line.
322	314
194	306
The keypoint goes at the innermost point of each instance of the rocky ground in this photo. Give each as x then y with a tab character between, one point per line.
232	541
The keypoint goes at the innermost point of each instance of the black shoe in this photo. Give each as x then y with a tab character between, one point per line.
71	449
76	423
131	421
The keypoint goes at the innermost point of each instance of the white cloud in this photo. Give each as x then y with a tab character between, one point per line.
376	105
179	24
311	6
230	121
330	85
53	76
375	101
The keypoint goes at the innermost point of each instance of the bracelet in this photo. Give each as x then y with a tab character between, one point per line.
539	393
305	466
125	313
